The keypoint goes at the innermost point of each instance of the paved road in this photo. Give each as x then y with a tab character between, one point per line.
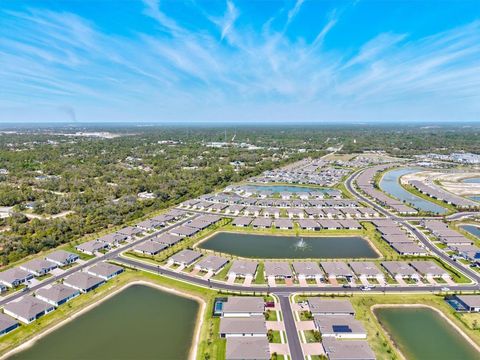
280	290
108	256
291	329
426	242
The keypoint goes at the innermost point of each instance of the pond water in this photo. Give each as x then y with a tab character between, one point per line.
474	180
138	323
474	230
289	247
422	334
475	198
390	183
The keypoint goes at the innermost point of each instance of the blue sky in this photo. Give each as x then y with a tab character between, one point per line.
239	60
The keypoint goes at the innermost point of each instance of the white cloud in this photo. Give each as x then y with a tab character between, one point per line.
55	58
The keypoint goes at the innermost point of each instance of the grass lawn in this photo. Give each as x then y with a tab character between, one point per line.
271	315
310	336
259	275
276	339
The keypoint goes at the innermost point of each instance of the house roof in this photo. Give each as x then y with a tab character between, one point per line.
336	268
212	262
321	305
13	274
277	269
243	267
470	300
92	246
242	221
249	325
38	265
239	304
6	322
151	246
365	268
82	280
398	268
409	248
27	307
186	256
338	324
309	268
104	269
168	239
61	256
347	349
56	292
247	348
428	268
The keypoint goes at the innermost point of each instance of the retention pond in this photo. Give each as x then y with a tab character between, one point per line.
422	334
390	183
140	322
289	247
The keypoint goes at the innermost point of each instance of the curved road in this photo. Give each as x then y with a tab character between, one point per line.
426	242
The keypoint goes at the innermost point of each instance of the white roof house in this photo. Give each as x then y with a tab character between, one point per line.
336	269
307	269
57	294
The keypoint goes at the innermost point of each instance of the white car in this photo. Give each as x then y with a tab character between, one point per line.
365	288
445	289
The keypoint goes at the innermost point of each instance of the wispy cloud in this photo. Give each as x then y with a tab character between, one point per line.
172	72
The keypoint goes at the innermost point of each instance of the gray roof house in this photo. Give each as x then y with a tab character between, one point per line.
168	239
14	277
470	302
7	324
62	257
429	268
91	247
183	230
262	223
340	327
130	231
150	247
242	268
57	294
243	306
284	224
409	249
400	268
308	224
242	221
322	306
247	348
278	270
185	257
27	309
336	269
366	269
307	269
211	263
244	326
347	350
38	267
113	239
105	270
83	281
